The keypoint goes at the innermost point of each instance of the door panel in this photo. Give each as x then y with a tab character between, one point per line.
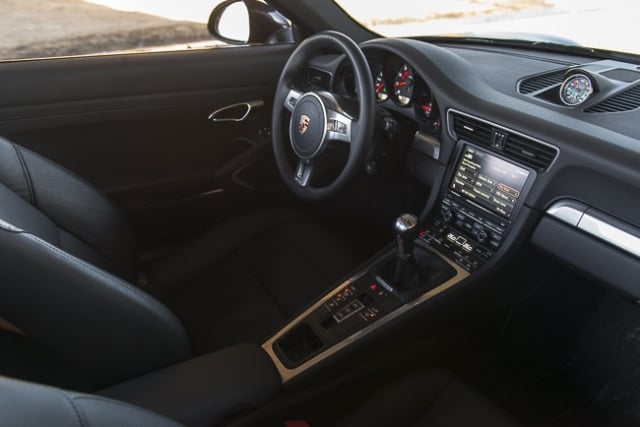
136	126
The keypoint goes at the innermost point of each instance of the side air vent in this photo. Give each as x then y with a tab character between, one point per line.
540	82
509	143
625	101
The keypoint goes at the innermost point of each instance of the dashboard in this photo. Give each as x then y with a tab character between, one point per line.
563	127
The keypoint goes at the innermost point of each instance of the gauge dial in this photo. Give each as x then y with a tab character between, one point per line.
576	89
403	85
424	104
381	88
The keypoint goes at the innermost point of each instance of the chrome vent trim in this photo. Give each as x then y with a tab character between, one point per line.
541	81
625	101
512	144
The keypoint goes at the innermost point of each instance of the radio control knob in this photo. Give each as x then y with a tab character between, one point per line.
447	215
482	236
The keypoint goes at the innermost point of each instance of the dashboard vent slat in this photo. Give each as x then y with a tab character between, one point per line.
473	130
511	144
529	152
625	101
540	82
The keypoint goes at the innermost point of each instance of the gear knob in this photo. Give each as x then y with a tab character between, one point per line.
406	229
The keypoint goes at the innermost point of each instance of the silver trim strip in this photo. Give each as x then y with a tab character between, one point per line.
568	211
597	224
610	234
427	144
287	374
453	135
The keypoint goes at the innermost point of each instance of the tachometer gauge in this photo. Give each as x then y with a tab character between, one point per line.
381	87
403	85
576	89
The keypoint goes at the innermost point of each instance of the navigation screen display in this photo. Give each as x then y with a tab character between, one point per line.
489	181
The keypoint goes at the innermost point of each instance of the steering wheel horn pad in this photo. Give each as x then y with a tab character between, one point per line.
308	126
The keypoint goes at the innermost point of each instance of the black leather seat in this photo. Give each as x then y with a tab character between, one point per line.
70	273
430	398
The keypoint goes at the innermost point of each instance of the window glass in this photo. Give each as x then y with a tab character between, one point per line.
50	28
599	24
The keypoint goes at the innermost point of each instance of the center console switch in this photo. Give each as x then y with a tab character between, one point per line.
354	306
464	234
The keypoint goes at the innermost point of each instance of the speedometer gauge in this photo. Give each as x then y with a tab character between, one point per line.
403	85
381	87
576	89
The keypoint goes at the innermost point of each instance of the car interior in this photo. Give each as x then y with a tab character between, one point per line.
321	227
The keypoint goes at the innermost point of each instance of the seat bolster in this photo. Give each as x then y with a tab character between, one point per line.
13	171
106	327
72	204
27	404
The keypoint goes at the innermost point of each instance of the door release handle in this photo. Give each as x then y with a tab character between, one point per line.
235	112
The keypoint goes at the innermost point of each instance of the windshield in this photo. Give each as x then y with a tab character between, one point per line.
607	25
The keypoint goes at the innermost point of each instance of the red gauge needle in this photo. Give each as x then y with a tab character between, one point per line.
399	84
379	87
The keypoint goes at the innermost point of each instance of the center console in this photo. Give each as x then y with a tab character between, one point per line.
480	199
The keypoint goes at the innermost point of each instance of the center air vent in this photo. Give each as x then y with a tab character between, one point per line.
509	143
541	82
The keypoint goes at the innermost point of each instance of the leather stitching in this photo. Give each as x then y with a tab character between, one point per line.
121	404
27	176
102	274
79	414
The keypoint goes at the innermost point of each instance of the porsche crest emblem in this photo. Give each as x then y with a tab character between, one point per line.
303	125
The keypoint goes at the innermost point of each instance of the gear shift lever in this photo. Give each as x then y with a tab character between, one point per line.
406	229
414	269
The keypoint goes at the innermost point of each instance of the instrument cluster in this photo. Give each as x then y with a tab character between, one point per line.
397	86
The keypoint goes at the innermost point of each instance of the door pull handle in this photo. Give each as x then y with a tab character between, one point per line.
235	112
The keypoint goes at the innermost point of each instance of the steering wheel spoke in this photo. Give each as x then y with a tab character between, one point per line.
304	170
339	126
291	99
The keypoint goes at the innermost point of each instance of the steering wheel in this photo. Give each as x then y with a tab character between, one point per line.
317	118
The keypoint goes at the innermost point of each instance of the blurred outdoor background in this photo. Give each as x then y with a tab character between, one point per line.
44	28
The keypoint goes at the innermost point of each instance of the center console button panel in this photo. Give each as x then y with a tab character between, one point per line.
351	308
464	233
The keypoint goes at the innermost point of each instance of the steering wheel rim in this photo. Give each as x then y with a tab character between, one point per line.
317	118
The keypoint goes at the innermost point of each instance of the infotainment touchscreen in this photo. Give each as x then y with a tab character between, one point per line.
489	181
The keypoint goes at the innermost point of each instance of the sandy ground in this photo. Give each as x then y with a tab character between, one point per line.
72	27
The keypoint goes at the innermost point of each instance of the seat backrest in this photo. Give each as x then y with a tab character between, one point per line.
27	404
64	210
66	255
